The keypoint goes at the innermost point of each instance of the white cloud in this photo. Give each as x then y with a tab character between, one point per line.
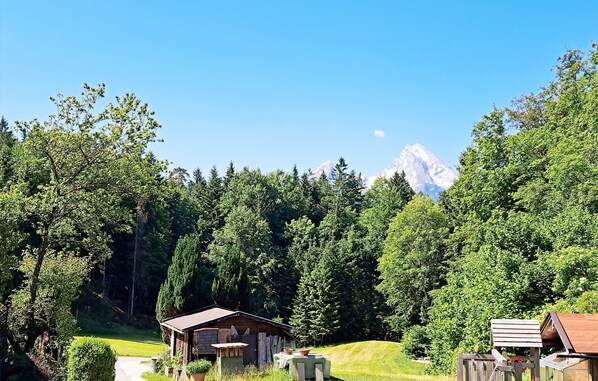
379	133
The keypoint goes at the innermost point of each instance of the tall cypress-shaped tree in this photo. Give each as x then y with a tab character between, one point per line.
188	282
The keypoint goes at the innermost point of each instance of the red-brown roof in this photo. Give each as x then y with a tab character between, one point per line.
582	331
578	333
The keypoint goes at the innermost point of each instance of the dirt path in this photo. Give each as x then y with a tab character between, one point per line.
131	368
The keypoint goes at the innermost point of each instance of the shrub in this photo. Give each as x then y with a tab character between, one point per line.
163	360
90	359
199	366
416	342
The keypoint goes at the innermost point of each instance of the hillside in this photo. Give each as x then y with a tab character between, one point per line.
375	361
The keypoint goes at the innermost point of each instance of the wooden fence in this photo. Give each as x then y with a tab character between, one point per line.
494	367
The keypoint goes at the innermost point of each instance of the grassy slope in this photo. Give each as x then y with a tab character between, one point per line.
131	342
375	361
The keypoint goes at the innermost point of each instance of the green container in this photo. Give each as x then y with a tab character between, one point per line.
310	362
154	365
229	365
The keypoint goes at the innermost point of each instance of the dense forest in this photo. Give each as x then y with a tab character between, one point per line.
93	226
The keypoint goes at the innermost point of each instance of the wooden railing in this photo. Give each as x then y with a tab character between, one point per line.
495	367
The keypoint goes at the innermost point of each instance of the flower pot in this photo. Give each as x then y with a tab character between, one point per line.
177	373
304	352
198	376
288	351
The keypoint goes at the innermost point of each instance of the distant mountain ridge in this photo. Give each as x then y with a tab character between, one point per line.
424	171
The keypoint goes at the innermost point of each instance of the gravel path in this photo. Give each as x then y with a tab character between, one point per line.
131	368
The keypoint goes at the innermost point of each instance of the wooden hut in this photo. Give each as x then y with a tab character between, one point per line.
194	333
515	334
576	335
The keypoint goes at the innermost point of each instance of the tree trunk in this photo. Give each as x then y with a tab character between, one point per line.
31	329
132	297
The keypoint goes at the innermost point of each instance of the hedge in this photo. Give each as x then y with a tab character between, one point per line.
90	359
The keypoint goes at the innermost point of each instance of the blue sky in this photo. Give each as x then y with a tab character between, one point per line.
270	84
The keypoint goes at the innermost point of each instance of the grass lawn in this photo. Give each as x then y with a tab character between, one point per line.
131	342
250	375
359	361
375	361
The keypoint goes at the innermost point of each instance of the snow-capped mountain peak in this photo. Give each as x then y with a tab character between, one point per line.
425	172
325	167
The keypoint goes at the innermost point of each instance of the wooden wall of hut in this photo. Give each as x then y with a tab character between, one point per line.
263	340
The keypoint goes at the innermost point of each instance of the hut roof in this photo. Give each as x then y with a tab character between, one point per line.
208	315
577	333
515	333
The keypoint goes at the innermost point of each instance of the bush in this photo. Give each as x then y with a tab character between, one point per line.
163	360
199	366
416	342
90	359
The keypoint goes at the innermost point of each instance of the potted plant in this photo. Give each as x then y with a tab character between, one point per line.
177	364
198	369
168	367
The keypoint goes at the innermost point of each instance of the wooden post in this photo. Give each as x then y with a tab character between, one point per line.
469	370
172	342
319	372
536	356
507	376
517	370
301	371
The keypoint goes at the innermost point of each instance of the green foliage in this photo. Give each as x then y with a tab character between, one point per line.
246	261
70	176
90	359
413	263
416	342
199	366
523	214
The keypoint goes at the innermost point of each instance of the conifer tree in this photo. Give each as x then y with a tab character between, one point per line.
188	283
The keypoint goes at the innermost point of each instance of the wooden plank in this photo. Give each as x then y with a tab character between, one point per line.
514	326
515	321
519	339
489	370
519	345
516	334
460	367
223	335
479	370
505	368
319	372
500	359
507	330
261	351
468	373
479	357
535	354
